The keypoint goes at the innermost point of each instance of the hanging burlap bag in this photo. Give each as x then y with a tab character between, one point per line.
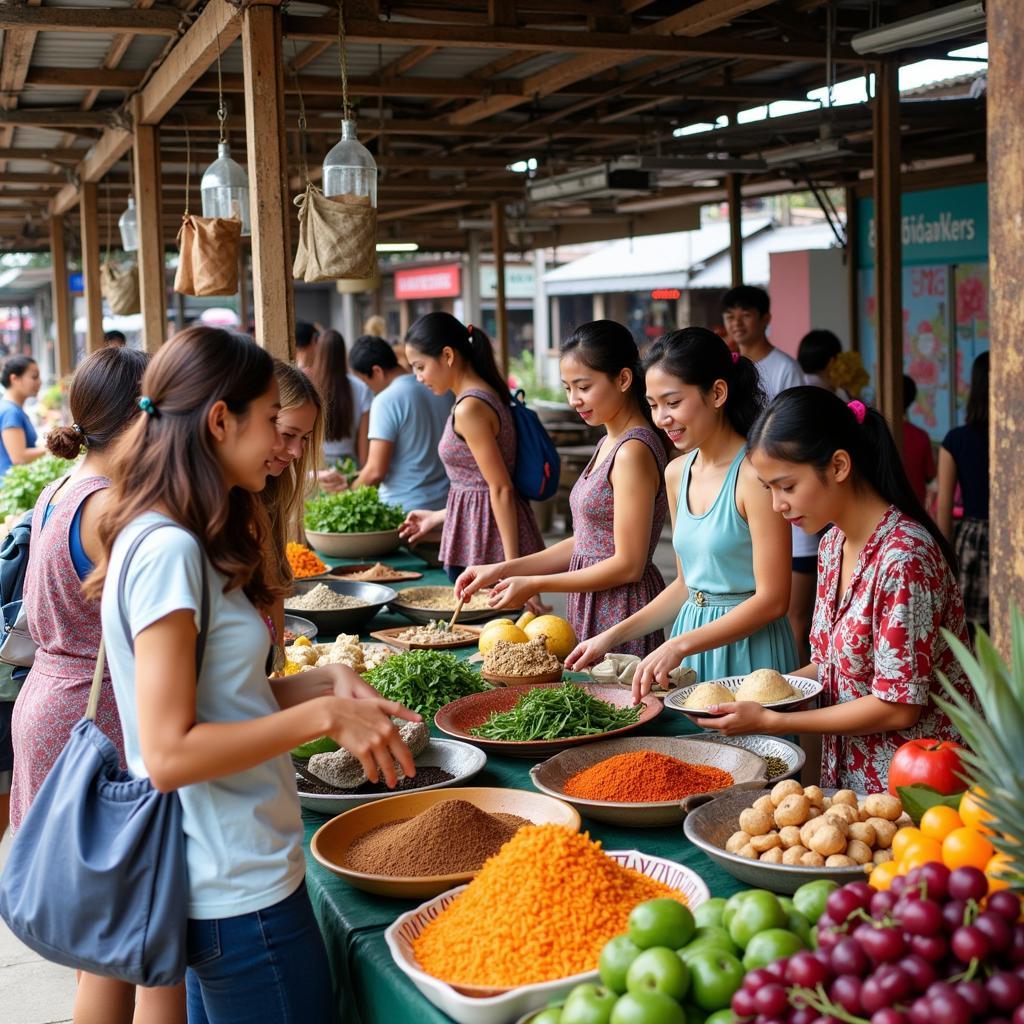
337	237
208	256
120	287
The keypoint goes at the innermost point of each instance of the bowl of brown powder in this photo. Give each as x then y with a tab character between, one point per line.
338	606
418	845
529	664
425	604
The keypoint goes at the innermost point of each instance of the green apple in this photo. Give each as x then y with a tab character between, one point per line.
588	1004
612	965
647	1007
710	912
659	968
552	1015
771	945
721	1017
732	904
714	978
661	922
712	935
757	913
811	897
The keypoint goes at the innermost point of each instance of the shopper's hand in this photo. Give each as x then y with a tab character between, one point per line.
476	576
363	726
656	668
419	523
739	718
332	481
513	592
588	653
538	607
346	682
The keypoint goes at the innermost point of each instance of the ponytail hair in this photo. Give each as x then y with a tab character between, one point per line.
699	357
808	425
435	332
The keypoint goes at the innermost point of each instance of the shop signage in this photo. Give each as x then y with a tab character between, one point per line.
428	282
666	294
519	282
942	225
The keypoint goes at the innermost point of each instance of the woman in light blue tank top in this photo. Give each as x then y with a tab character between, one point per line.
728	603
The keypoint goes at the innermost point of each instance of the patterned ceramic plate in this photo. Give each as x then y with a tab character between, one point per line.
809	689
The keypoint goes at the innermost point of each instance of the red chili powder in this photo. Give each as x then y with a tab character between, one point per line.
645	777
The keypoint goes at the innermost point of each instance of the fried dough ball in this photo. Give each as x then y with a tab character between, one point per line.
881	856
767	842
845	811
748	851
789	836
858	852
863	832
794	810
839	860
881	805
773	856
828	840
815	795
794	855
787	787
812	860
764	803
737	841
845	796
884	832
755	823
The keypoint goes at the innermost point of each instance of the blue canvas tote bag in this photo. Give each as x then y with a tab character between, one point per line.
96	877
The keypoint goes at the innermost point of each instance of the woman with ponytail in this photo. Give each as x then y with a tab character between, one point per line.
727	605
486	519
618	504
886	588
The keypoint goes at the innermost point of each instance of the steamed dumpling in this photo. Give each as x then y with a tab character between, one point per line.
705	695
764	685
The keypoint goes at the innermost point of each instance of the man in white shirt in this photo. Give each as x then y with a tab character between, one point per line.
746	313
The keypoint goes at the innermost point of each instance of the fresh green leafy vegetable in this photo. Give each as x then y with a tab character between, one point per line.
22	485
919	798
358	511
425	680
347	467
554	714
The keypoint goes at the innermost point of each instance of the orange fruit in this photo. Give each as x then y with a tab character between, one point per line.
882	874
972	814
996	870
966	847
903	839
938	821
920	851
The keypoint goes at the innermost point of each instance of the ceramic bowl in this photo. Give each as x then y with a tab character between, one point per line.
300	626
710	826
460	716
345	620
766	746
354	545
499	679
809	689
462	760
330	844
499	1006
551	776
405	604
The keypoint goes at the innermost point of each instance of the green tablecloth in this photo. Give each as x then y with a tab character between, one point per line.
370	987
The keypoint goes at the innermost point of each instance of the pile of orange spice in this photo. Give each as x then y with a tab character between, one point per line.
540	909
303	561
645	777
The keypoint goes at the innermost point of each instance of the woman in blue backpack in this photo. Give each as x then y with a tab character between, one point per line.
486	519
618	503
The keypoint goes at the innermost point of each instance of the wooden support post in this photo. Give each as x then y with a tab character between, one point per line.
270	204
91	269
500	312
64	349
852	260
148	205
1006	319
244	305
732	187
888	246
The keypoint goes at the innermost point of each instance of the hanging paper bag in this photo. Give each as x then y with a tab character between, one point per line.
120	287
337	237
208	256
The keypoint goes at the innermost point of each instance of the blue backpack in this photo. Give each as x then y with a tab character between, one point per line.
537	462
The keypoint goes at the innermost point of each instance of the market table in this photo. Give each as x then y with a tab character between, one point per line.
369	987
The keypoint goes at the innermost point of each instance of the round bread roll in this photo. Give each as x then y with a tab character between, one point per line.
764	685
704	695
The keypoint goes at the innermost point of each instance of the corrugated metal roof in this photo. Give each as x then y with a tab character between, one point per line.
541	62
39	138
70	49
45	96
143	51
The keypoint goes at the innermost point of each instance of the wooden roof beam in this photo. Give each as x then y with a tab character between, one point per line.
56	155
59	117
163	21
18	46
328	85
84	78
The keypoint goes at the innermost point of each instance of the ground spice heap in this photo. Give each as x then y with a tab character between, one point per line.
645	777
450	838
529	659
303	561
322	599
541	909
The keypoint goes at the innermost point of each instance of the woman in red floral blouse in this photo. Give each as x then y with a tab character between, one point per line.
886	588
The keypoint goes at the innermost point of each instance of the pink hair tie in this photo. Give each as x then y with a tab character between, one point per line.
735	357
859	410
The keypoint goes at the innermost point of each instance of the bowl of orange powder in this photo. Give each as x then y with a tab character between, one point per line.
646	781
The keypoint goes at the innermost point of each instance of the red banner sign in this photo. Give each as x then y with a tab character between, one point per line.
428	282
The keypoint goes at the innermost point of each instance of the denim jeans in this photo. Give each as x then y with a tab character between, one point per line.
269	966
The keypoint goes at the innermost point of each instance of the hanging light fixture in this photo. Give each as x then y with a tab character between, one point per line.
225	185
128	223
349	168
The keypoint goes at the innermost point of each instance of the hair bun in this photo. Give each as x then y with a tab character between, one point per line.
65	442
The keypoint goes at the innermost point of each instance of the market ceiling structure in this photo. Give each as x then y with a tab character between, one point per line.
450	96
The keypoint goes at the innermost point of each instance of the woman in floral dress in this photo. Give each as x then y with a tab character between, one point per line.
886	588
618	504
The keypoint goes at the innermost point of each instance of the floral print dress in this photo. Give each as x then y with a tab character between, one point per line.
882	638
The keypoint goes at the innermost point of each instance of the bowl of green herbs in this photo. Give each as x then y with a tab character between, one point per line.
353	524
425	680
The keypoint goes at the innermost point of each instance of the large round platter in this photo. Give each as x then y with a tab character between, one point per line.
809	689
406	604
766	746
458	717
299	626
345	620
499	1006
711	825
462	760
552	775
354	545
331	842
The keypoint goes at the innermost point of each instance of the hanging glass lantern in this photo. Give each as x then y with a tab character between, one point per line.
128	223
349	168
225	189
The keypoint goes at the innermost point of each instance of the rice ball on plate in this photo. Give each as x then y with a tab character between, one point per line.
765	686
705	695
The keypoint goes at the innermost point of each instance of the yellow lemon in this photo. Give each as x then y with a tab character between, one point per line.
507	632
559	636
496	622
525	619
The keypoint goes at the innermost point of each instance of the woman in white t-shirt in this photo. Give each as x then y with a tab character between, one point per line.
196	458
346	403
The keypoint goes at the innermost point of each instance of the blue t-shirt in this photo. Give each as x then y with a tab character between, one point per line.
243	832
412	418
12	415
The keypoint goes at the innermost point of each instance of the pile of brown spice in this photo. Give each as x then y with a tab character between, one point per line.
452	837
645	777
530	659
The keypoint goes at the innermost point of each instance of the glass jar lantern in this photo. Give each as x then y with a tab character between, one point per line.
225	189
349	168
128	223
